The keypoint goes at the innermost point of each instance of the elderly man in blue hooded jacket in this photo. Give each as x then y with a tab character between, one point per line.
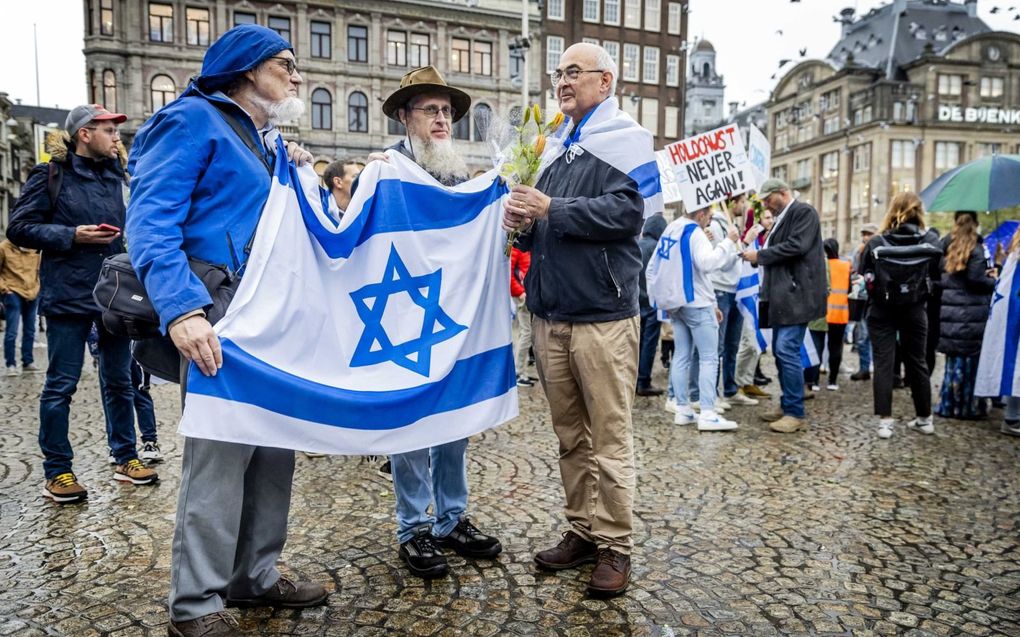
198	189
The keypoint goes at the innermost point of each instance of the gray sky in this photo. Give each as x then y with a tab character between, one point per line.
748	50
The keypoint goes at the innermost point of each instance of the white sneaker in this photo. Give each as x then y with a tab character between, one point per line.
740	399
709	421
885	428
670	405
723	404
109	456
12	370
924	425
832	387
31	368
816	388
151	452
684	417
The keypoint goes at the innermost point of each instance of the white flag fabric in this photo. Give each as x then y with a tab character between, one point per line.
998	372
383	333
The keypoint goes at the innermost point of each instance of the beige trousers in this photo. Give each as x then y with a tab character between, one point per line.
589	373
523	320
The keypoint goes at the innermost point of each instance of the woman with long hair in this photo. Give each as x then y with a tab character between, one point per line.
967	286
897	293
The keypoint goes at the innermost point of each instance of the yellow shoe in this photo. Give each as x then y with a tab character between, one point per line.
135	473
754	391
65	489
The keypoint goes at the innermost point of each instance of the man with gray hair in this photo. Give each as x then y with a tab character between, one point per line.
582	222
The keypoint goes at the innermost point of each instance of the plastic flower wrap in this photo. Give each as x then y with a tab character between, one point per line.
517	151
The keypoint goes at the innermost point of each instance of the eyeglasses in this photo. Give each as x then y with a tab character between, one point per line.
288	64
571	74
432	111
109	130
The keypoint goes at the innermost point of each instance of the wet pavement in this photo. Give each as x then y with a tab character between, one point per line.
833	531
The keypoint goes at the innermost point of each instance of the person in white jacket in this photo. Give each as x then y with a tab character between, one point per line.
679	282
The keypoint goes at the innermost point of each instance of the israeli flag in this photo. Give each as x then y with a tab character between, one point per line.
998	372
748	292
809	355
382	333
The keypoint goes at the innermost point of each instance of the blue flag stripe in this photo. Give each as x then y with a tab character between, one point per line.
647	178
1012	337
254	382
687	261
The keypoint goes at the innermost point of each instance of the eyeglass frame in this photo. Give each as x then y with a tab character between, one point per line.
558	75
449	112
290	66
115	131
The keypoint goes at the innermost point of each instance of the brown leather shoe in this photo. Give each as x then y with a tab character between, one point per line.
771	415
285	593
213	625
789	425
573	550
611	574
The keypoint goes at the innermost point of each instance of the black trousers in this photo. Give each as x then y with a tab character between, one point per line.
909	326
834	338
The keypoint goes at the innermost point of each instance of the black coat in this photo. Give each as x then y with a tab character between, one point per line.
795	285
91	193
966	296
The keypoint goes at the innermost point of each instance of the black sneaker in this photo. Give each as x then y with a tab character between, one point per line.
467	541
861	375
762	380
423	557
385	471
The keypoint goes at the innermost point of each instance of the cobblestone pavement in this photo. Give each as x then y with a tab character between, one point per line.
753	533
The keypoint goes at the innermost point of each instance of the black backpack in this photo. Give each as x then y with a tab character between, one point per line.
902	273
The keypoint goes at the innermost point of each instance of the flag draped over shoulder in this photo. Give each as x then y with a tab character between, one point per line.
383	333
998	372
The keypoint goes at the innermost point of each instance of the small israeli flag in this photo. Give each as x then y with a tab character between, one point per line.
748	291
383	333
998	372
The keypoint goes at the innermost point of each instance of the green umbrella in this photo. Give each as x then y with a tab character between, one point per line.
989	183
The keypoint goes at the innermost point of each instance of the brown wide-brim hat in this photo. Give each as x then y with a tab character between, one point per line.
427	79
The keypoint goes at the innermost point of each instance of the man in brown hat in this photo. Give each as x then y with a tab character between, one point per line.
428	107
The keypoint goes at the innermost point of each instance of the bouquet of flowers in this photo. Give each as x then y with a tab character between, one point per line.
518	151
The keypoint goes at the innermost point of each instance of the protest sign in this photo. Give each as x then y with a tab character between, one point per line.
710	167
759	152
667	178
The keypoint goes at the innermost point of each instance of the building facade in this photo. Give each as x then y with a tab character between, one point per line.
351	56
911	90
705	88
646	38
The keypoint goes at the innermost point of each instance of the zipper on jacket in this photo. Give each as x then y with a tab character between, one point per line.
605	257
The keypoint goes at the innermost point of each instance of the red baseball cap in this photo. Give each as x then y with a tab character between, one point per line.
82	115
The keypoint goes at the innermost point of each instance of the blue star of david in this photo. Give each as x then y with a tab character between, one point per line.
374	345
665	245
996	298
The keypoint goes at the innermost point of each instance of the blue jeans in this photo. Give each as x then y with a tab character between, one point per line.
729	339
15	309
864	346
66	346
694	328
145	411
786	343
436	476
650	328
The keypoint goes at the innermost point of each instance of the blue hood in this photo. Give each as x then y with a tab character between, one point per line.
238	50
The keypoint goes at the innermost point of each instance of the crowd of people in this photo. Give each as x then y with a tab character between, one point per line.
596	284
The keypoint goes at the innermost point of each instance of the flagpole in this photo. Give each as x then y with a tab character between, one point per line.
35	44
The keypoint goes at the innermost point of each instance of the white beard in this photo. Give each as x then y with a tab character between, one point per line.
286	110
439	159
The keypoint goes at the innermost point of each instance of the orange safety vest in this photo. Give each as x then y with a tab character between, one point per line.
839	299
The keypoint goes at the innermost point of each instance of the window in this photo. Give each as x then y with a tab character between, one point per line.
462	129
482	58
947	155
483	115
672	70
357	43
862	158
830	165
651	65
653	15
322	109
950	84
779	172
198	26
109	90
106	17
611	11
901	154
516	60
650	114
357	112
460	55
672	122
281	26
162	90
862	115
632	14
631	62
322	39
992	87
555	10
984	150
613	49
161	22
829	101
590	10
674	17
396	48
803	171
420	50
243	18
594	41
553	51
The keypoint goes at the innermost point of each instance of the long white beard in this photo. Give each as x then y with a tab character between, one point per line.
439	159
286	110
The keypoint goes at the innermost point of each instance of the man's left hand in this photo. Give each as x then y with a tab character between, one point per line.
298	155
528	202
751	256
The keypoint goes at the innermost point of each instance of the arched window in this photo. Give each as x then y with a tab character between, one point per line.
483	115
462	129
163	91
109	90
357	112
706	70
322	109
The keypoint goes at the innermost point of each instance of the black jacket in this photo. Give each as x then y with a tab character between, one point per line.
795	283
650	235
585	259
91	192
906	235
966	296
